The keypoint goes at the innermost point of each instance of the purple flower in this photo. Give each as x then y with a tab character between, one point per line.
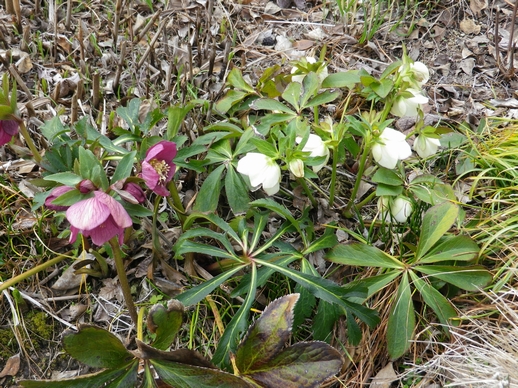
100	217
158	167
8	128
57	192
132	193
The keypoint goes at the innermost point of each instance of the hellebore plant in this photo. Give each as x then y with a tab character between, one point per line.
409	103
262	171
306	65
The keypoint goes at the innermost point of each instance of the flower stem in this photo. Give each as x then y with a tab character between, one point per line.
123	279
33	271
333	177
308	192
359	175
28	140
177	202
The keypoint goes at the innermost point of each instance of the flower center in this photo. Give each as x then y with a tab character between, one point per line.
162	168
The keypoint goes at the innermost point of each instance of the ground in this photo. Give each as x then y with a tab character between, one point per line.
91	58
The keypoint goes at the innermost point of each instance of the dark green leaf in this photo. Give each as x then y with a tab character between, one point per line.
376	283
292	95
267	336
305	364
386	190
65	178
279	209
323	98
165	323
458	248
436	222
401	322
326	241
324	321
96	347
52	128
470	278
363	255
176	116
127	379
383	87
125	167
208	196
235	79
433	298
272	105
196	294
186	376
387	177
229	100
236	191
229	340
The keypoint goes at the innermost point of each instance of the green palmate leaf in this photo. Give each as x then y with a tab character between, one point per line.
237	325
208	196
436	222
53	128
94	380
267	336
196	294
165	323
236	191
307	301
386	190
186	376
272	105
176	116
363	255
346	79
136	210
65	178
70	197
277	208
96	347
206	233
229	100
470	278
185	246
433	298
323	98
311	86
264	147
458	248
329	291
292	95
235	79
124	167
305	364
401	322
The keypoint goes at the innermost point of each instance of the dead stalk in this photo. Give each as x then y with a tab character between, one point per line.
69	15
119	67
118	9
96	93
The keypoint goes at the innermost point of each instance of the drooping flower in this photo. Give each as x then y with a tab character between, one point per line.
390	147
321	72
316	147
297	167
158	168
8	129
100	217
395	210
408	106
261	170
420	73
426	146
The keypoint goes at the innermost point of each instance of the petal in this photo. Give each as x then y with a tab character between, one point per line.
390	134
163	150
252	161
403	150
73	234
149	175
272	190
272	179
104	232
9	126
117	211
388	157
87	214
54	194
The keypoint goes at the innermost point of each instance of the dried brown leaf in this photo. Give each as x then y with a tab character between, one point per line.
12	366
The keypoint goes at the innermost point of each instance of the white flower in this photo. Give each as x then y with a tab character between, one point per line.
261	170
395	210
316	147
321	72
390	147
426	146
407	107
420	72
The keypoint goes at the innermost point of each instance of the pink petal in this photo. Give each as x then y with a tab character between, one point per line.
163	150
149	175
9	126
87	214
117	211
104	232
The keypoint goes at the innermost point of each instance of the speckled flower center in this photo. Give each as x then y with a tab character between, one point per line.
162	169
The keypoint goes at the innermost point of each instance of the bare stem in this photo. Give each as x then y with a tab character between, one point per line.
123	279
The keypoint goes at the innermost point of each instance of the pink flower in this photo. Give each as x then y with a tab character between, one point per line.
132	193
100	217
158	167
8	128
55	193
